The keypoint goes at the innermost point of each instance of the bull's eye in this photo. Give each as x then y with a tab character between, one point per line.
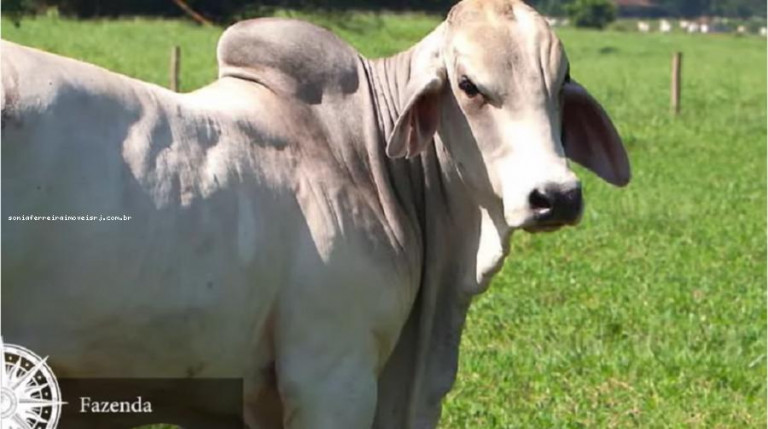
468	87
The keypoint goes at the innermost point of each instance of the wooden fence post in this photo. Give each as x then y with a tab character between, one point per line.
174	72
677	64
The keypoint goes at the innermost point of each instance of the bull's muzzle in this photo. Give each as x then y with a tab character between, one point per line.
555	206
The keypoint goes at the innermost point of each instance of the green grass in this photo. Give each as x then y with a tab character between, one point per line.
649	314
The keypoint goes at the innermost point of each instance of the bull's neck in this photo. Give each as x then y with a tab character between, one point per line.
388	78
440	179
426	356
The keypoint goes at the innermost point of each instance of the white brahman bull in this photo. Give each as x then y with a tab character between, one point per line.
313	221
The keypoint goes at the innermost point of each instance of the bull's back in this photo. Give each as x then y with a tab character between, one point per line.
147	228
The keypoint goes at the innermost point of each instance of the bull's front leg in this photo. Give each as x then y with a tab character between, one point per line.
326	367
336	321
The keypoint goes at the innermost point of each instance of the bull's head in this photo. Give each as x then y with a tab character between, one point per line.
495	81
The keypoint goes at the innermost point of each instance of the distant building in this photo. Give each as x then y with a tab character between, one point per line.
639	8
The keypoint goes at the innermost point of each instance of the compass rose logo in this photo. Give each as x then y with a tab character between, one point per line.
29	393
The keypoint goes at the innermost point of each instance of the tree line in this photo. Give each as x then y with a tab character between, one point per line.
674	8
231	10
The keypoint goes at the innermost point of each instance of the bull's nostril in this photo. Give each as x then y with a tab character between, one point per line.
539	200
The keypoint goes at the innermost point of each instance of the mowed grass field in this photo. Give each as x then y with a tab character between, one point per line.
651	313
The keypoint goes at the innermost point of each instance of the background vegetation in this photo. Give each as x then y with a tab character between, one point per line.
591	13
230	10
649	314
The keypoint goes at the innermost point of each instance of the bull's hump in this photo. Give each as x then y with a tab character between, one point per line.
290	57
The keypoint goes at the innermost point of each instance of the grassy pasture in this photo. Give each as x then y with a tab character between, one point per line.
652	312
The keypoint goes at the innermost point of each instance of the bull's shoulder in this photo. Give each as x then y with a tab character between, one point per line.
290	57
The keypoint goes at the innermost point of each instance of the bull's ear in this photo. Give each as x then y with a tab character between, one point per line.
419	118
589	137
